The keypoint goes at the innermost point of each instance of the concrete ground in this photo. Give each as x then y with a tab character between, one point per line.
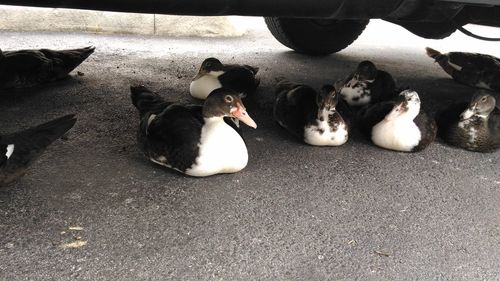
93	208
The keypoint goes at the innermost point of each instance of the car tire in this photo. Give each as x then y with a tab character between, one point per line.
315	36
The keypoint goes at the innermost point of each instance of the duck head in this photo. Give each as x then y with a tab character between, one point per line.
366	71
209	65
481	105
327	99
407	106
226	103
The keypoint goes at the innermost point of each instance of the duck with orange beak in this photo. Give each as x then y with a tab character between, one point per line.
192	139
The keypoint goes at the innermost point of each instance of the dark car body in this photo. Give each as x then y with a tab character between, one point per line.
294	21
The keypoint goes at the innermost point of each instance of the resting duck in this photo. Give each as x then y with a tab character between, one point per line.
214	75
310	116
472	69
19	150
398	125
30	68
192	139
368	85
473	126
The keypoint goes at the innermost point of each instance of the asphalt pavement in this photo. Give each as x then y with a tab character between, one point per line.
93	208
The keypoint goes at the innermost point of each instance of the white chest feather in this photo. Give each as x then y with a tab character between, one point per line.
401	135
10	150
221	150
203	86
356	95
324	135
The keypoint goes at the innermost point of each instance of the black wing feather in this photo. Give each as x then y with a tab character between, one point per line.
29	145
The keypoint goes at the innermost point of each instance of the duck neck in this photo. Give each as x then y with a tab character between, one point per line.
212	120
215	73
476	118
483	117
413	111
324	114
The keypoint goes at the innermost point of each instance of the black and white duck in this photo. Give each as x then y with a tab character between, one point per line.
309	115
398	125
30	68
472	69
473	126
193	139
214	75
368	85
19	150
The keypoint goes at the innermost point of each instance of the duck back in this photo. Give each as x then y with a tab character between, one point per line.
295	106
29	68
371	115
428	130
474	60
239	78
494	127
383	88
448	118
171	138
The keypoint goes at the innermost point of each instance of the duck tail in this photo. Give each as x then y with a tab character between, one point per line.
82	53
441	59
145	100
435	54
41	136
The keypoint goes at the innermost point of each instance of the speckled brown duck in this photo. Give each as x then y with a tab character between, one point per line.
472	126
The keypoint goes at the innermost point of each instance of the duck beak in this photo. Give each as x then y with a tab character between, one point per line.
240	112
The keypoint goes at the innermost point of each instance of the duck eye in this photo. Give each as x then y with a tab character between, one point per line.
228	99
